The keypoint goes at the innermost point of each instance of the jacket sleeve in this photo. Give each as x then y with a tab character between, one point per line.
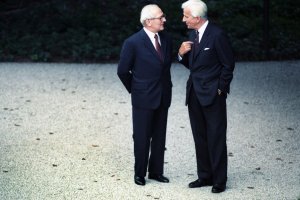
226	57
125	64
184	60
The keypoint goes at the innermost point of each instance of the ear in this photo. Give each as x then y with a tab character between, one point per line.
148	22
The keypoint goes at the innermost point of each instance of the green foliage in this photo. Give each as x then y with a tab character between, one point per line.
94	30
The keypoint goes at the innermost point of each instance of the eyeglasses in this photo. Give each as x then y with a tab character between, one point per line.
160	18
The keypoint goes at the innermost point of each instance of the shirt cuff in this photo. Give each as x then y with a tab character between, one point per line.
179	57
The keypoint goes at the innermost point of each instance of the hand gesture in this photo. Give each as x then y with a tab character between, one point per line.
185	47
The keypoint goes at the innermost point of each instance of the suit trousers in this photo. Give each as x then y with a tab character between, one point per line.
149	134
209	124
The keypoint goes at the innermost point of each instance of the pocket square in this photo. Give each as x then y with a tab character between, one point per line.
206	49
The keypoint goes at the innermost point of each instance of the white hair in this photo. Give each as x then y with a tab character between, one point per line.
148	12
197	7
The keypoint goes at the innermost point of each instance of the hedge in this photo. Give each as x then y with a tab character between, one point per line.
94	30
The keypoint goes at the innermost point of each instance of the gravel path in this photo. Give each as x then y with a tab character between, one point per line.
66	133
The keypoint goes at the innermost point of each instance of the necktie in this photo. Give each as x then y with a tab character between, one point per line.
196	42
157	47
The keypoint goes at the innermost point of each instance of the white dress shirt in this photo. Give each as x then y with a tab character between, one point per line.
151	36
202	29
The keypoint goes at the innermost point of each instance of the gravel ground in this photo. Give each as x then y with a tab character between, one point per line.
66	133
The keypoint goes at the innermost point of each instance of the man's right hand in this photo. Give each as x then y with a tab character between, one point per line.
185	47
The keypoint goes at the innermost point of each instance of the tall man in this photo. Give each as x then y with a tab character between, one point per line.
144	69
210	59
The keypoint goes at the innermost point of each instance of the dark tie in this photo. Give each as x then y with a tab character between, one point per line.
157	47
196	42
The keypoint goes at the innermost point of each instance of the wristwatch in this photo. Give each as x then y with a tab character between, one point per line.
219	92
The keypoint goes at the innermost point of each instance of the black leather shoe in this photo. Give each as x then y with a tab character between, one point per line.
200	183
139	180
218	188
158	177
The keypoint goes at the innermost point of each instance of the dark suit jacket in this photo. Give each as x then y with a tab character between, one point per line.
144	75
211	66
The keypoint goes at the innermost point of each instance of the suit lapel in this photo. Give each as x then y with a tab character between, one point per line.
148	44
203	41
163	42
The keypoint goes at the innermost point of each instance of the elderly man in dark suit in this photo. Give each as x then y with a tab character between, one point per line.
209	57
144	69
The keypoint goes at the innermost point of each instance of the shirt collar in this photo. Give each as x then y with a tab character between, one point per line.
149	33
202	28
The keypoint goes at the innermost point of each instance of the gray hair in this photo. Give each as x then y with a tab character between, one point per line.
148	12
197	7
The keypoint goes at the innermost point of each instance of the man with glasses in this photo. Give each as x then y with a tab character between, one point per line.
144	70
209	57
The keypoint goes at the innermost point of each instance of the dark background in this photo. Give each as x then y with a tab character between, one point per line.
94	30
